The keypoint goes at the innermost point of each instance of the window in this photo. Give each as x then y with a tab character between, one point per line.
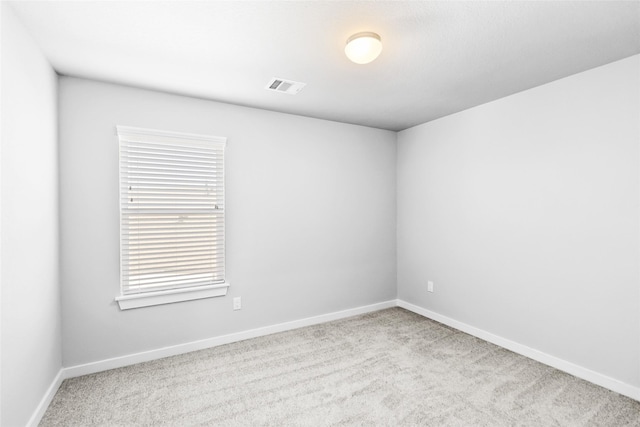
171	217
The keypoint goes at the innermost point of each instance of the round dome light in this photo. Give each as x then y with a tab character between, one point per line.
363	48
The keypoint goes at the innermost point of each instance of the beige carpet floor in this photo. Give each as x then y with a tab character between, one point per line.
387	368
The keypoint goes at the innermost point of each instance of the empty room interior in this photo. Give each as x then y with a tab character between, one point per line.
320	213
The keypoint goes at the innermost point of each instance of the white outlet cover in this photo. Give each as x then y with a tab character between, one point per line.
430	286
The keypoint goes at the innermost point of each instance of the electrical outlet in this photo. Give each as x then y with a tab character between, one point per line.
429	286
237	303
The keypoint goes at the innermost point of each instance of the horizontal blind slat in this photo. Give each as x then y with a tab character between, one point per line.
177	270
173	258
178	204
170	237
134	164
168	191
167	230
150	210
211	166
173	149
144	227
209	220
136	289
164	280
165	174
151	248
129	153
156	185
163	250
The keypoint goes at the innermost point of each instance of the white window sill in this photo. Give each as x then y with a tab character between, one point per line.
127	302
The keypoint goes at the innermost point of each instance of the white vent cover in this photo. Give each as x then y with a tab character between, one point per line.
285	86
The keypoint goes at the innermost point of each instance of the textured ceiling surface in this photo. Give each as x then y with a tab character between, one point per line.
439	57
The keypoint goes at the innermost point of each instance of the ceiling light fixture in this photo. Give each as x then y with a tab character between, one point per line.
363	48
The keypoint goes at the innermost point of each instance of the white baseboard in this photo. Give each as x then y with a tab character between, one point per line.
131	359
555	362
46	400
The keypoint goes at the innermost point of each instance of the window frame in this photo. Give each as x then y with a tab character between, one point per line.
167	296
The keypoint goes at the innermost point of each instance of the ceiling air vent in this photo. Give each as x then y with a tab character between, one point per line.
285	86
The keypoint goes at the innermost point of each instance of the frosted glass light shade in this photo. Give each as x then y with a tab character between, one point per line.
363	48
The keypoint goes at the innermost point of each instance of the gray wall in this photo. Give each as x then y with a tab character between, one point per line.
310	218
31	338
524	212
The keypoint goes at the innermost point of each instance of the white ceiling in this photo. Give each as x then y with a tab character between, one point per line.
439	57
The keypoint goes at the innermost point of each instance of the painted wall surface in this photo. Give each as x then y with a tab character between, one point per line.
310	218
524	213
31	333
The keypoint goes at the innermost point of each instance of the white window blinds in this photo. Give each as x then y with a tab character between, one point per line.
171	210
